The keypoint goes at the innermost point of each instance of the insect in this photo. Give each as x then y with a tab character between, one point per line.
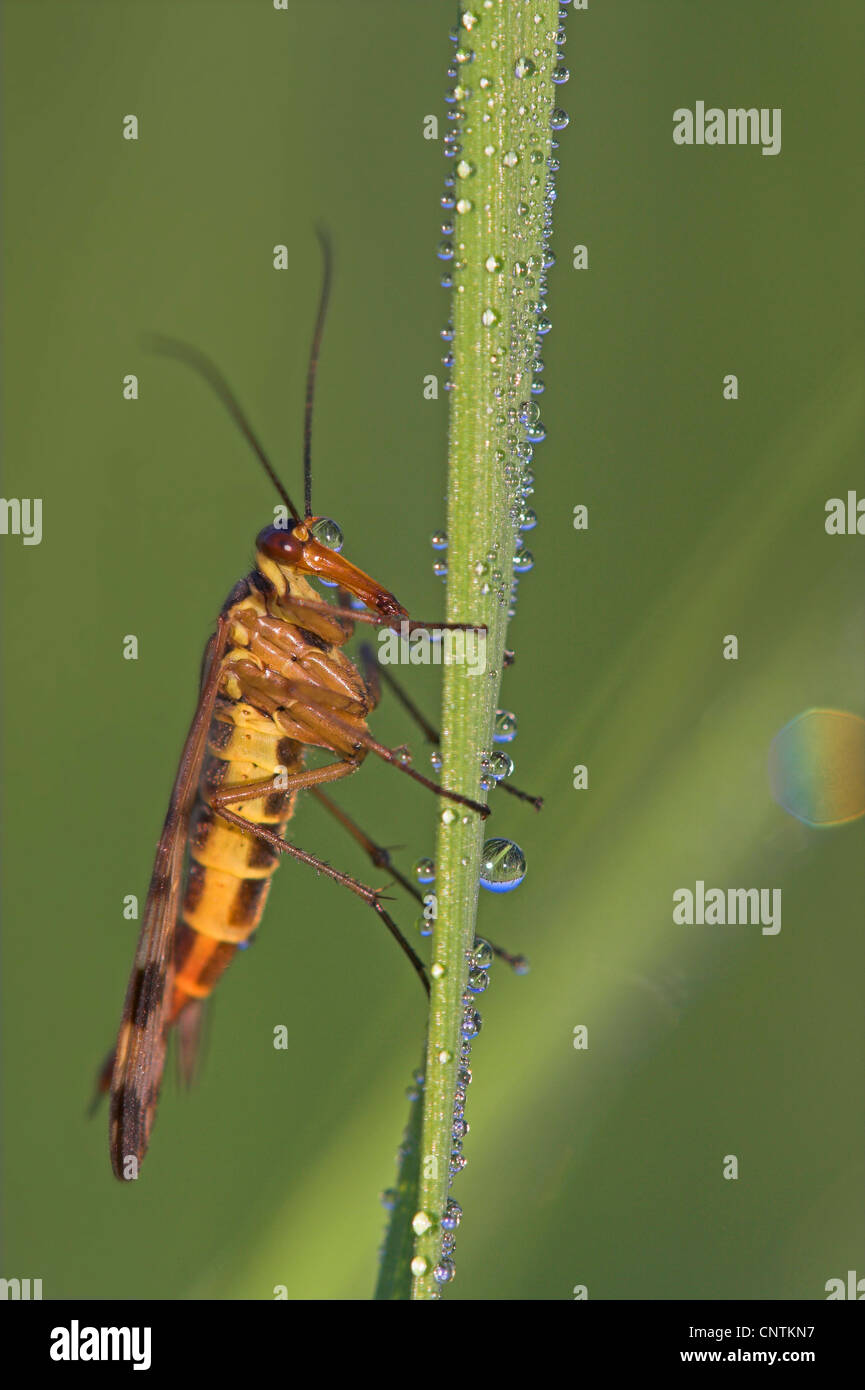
275	683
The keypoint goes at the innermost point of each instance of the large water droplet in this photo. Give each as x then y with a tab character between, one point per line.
503	866
524	67
328	533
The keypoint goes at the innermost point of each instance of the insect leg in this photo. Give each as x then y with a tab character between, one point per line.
380	856
373	671
301	717
363	739
287	782
359	615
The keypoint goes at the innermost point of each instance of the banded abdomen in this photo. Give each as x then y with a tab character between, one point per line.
230	871
262	725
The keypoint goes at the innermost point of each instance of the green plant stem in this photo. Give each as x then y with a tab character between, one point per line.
501	179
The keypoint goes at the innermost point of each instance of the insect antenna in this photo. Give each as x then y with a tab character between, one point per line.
327	258
184	352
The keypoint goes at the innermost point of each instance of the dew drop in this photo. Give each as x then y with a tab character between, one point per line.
419	1266
465	169
471	1024
492	263
421	1222
452	1215
503	866
439	540
489	318
444	1271
425	871
478	981
524	67
327	532
501	765
559	119
523	561
440	569
504	726
560	75
482	954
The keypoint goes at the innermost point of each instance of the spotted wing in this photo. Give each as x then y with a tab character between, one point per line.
139	1057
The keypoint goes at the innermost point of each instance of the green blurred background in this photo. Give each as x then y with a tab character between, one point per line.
600	1167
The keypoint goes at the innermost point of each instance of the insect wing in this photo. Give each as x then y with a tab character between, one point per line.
141	1043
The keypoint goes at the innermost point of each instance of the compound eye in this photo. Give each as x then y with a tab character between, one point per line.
281	546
